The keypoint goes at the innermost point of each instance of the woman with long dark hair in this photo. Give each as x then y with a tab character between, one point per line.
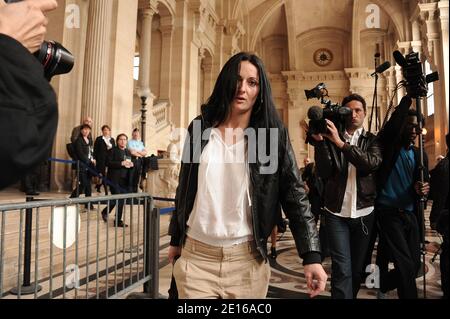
238	166
83	152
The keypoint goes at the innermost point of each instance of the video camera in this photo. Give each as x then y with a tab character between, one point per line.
415	81
334	112
53	56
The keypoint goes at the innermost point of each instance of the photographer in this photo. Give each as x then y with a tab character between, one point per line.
27	100
399	192
346	162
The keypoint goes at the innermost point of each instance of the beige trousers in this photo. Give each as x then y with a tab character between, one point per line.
208	272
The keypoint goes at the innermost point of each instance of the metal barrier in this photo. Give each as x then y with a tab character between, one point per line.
71	254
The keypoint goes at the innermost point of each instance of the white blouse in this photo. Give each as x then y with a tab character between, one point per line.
221	215
107	142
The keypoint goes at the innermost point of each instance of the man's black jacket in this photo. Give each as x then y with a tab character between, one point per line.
28	112
332	167
117	172
267	192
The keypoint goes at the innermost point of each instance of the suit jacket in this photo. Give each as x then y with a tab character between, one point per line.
116	172
101	153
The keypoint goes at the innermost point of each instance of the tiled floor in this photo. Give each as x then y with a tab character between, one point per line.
287	280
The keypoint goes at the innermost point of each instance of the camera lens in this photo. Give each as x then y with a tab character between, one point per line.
55	58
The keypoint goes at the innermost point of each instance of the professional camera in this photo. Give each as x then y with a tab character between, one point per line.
415	81
334	112
53	56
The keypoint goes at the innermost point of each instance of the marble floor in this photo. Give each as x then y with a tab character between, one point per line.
287	279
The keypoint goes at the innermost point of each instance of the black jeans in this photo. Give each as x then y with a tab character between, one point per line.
122	188
348	240
400	243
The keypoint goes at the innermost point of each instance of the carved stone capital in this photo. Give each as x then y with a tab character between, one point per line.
148	8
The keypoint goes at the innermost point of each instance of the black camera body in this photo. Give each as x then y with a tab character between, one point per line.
416	81
331	111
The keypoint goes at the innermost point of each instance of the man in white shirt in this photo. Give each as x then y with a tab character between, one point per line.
138	152
347	161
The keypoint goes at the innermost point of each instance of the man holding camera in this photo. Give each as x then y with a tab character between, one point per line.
347	162
26	98
399	193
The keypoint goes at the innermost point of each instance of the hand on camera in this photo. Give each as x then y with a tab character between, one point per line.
317	137
333	134
25	21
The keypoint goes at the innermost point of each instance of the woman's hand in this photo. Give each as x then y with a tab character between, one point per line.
174	251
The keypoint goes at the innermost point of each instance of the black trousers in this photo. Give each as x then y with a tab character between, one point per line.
84	184
444	265
400	243
122	189
30	182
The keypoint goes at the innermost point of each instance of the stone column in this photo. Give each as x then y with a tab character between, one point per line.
166	29
430	14
179	72
207	66
390	85
356	36
443	17
95	83
297	107
68	89
416	42
145	46
406	24
201	84
404	48
121	91
147	14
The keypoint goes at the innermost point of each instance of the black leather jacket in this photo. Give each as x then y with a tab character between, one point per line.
332	166
284	186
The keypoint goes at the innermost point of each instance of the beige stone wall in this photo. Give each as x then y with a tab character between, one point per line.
189	41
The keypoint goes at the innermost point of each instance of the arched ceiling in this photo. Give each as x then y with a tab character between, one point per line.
318	13
252	4
276	25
